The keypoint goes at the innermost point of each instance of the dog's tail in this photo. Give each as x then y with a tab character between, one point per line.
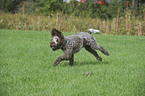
93	31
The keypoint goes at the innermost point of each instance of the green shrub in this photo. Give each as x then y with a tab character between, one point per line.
124	25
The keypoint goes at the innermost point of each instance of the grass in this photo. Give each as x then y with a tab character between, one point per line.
26	67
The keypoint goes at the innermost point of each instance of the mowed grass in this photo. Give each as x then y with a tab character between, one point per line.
26	67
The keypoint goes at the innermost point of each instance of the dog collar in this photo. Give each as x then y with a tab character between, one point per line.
64	42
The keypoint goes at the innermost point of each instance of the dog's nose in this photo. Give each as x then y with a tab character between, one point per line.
51	42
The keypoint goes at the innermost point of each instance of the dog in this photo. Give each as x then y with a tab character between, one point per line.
72	44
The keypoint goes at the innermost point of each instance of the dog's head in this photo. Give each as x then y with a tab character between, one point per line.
57	39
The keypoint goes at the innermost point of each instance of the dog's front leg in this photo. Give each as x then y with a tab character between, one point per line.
58	60
71	60
64	57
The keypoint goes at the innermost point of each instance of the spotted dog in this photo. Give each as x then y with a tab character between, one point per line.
72	44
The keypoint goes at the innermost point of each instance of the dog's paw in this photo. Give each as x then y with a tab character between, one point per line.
99	58
56	63
106	53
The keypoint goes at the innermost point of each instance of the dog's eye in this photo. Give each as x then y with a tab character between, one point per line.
56	40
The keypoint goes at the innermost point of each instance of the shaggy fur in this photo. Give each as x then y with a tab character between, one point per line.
73	44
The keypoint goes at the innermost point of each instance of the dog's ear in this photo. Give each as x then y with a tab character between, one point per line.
55	32
60	35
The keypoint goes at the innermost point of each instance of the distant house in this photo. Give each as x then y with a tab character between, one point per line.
66	1
103	2
75	0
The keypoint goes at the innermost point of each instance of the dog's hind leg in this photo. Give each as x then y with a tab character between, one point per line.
89	49
98	47
94	45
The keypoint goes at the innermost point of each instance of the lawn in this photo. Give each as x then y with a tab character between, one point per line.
26	67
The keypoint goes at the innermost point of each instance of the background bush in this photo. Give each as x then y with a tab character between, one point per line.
87	9
115	18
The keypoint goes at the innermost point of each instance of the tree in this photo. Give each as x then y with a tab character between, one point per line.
9	5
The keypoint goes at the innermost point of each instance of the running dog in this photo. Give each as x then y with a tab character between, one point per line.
72	44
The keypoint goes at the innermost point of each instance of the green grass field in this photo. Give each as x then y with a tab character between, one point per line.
26	67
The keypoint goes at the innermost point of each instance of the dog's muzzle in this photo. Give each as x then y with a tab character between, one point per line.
53	45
